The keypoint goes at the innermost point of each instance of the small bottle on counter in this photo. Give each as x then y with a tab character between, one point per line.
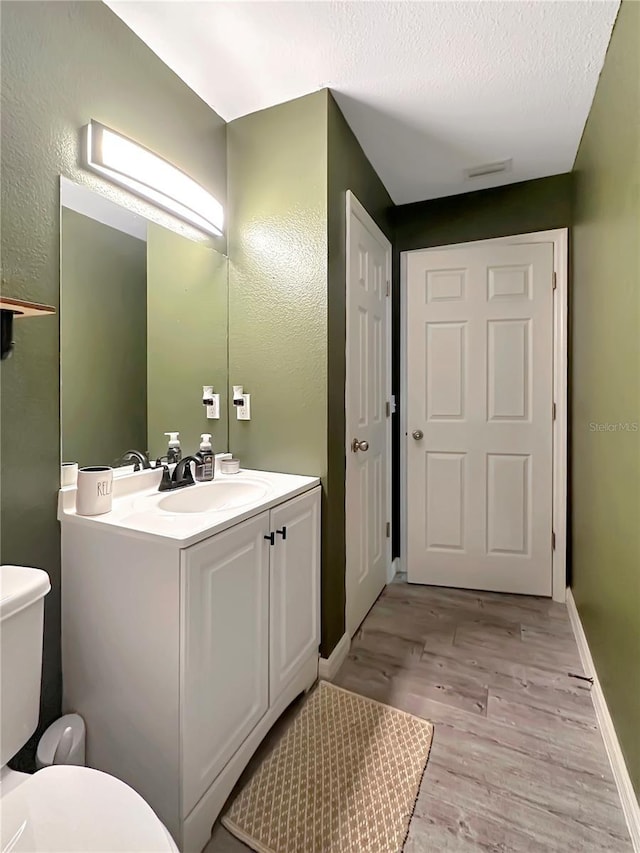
205	467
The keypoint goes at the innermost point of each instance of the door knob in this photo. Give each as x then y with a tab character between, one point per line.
359	445
418	434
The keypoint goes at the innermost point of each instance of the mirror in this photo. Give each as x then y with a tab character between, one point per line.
143	327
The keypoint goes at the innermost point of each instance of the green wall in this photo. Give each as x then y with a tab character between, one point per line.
348	169
187	333
521	208
62	64
289	169
103	341
606	381
278	284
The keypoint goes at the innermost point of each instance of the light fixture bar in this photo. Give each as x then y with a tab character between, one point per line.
149	176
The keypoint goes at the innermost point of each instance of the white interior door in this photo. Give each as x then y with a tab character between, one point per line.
480	417
368	448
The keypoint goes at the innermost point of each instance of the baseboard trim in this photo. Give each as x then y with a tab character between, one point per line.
627	795
328	667
393	569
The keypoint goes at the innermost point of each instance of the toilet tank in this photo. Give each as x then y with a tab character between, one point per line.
22	592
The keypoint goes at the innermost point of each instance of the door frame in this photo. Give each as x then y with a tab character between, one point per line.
560	239
355	208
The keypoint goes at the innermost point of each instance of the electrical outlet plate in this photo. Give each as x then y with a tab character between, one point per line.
213	411
243	412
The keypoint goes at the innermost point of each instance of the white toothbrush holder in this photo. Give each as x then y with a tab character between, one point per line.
95	490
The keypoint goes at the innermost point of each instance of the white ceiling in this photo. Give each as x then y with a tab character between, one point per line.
429	88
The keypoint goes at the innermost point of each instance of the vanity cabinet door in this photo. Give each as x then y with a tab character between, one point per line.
225	642
295	587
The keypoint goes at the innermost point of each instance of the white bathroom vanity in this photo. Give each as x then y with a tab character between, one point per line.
190	620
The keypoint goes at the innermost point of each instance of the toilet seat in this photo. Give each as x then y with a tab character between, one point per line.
67	809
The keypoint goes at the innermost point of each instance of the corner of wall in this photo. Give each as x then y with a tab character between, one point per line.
605	380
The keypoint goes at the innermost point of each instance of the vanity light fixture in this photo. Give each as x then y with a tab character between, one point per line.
125	162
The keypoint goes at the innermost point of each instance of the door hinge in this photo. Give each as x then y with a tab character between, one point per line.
554	411
553	540
555	281
388	287
388	408
388	530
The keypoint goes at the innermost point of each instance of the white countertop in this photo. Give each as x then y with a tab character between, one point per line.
136	512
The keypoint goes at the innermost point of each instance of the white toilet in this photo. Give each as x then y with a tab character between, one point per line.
61	808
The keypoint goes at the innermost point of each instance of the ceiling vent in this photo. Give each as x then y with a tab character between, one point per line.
488	169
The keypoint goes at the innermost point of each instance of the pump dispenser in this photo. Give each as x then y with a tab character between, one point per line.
205	467
174	454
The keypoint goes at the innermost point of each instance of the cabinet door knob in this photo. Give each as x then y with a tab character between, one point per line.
271	537
282	533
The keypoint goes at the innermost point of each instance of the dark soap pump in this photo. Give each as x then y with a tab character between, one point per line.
205	466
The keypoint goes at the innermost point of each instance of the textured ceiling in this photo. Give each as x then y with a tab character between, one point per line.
429	88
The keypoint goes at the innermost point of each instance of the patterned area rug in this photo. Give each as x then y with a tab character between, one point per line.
343	779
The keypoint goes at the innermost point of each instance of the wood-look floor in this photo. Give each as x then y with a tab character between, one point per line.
517	762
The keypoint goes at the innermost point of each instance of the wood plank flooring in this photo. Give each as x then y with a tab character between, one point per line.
517	762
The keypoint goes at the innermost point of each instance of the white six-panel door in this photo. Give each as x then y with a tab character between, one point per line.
368	391
480	417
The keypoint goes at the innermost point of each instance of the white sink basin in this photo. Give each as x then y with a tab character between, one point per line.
217	496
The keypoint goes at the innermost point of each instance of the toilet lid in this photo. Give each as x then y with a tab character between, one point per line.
65	809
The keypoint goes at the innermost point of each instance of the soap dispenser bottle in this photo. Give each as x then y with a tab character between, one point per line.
205	467
174	454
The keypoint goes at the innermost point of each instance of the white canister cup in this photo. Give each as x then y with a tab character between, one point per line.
95	487
68	473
